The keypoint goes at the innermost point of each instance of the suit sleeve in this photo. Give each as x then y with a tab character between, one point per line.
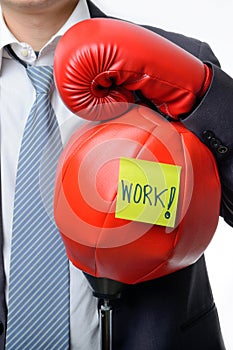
212	122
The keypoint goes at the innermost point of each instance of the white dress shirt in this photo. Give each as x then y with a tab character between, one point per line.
16	99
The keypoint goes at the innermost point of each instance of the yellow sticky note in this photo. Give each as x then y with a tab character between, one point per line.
148	191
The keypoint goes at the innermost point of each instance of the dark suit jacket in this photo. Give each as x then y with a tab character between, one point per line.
176	312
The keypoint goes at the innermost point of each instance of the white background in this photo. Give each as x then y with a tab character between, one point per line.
209	21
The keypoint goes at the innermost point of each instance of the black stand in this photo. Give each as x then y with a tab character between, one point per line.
106	325
105	289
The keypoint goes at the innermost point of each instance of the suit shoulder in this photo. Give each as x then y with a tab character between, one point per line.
194	46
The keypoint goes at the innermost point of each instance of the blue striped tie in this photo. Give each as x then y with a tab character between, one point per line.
38	312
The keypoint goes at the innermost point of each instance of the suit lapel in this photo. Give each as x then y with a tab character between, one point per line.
94	11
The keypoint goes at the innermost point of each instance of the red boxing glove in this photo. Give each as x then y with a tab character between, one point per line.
101	62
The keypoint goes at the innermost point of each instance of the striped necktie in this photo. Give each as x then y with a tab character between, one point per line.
38	309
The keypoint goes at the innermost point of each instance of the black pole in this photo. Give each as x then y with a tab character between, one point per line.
106	325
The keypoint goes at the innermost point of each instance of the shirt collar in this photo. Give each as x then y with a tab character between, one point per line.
80	13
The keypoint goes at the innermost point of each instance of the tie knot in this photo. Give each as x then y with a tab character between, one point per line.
41	78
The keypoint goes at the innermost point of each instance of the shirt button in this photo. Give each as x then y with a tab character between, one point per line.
24	52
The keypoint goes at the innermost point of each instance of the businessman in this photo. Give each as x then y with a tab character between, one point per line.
172	312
